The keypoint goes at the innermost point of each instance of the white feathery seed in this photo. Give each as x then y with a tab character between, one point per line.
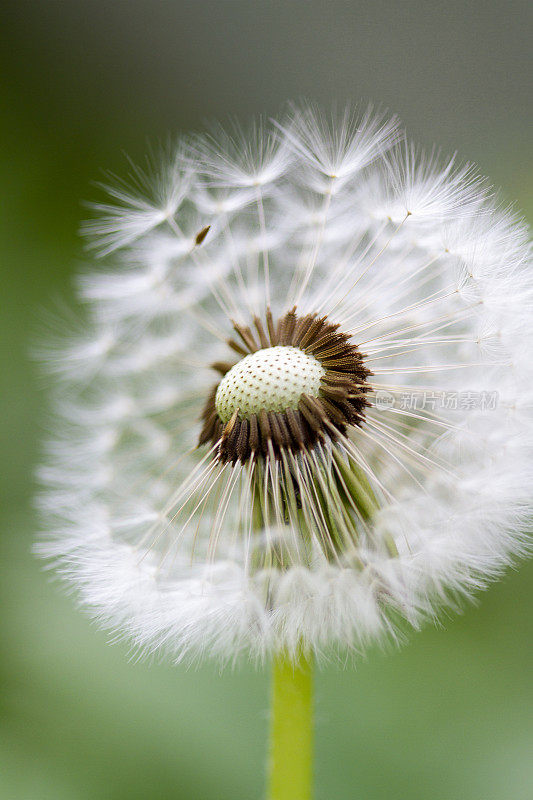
419	266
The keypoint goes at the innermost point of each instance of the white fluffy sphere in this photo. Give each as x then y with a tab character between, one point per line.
378	309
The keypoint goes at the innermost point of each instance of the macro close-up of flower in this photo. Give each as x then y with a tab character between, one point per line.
297	413
266	401
296	418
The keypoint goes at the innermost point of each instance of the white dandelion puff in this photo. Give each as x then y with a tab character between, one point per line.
298	410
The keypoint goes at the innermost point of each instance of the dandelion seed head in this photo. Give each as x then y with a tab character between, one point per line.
295	408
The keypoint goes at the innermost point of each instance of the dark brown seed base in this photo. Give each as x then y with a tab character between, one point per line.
341	401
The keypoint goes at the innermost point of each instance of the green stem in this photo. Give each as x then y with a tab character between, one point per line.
291	729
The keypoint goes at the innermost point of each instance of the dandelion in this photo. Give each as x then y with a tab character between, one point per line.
296	418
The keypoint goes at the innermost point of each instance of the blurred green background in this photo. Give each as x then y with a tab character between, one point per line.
449	716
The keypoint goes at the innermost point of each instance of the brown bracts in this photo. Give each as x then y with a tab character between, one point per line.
333	399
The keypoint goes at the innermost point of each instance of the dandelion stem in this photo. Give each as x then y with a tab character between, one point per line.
291	731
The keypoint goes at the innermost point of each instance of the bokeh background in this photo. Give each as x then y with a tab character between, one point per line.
451	715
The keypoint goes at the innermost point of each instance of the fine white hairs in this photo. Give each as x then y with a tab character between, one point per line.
298	411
